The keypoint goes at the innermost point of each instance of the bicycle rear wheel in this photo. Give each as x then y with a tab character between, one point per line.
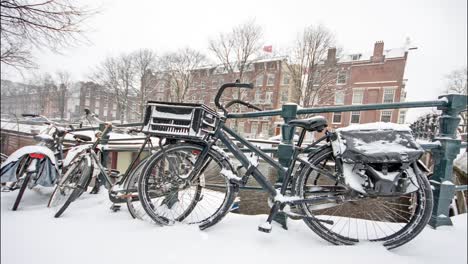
134	205
71	186
168	196
392	221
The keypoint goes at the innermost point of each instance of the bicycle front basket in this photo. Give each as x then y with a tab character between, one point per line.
179	120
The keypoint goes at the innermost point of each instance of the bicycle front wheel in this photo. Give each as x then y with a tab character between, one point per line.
169	196
392	221
134	206
71	186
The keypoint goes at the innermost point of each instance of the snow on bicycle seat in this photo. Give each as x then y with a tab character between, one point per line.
316	123
82	137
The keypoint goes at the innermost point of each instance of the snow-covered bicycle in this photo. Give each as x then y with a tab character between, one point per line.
40	164
360	183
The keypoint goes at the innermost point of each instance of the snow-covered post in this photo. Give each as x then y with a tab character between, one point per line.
286	148
443	187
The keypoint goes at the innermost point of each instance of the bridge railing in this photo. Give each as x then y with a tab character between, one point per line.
444	144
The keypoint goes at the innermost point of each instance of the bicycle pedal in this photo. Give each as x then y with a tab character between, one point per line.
115	207
265	227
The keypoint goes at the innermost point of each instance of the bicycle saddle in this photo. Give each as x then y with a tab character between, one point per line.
316	123
82	137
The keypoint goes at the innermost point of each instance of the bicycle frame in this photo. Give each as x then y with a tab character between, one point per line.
285	172
105	172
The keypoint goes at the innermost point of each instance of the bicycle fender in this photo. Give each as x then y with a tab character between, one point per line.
15	156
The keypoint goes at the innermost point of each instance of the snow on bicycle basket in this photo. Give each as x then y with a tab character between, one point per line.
179	120
378	157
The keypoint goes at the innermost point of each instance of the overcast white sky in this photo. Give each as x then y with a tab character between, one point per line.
437	28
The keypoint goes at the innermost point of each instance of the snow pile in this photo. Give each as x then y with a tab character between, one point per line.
376	126
461	161
90	233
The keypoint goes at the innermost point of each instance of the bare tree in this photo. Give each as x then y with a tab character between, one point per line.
457	81
64	82
310	76
145	63
236	50
118	75
178	66
51	24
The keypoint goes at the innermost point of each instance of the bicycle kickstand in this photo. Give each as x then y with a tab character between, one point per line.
266	227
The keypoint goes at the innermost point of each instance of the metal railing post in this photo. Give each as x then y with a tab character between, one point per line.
442	180
286	149
105	152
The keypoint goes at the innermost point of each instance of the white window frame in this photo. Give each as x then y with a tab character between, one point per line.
265	129
271	77
385	89
338	78
341	118
284	93
258	95
351	117
402	115
252	131
361	90
342	95
269	97
259	81
240	127
286	76
382	114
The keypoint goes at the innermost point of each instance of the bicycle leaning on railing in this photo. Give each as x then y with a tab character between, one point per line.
121	188
344	197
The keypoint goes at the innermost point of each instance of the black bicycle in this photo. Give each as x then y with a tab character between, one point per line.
121	187
343	195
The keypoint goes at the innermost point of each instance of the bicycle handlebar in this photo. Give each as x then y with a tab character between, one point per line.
247	104
236	84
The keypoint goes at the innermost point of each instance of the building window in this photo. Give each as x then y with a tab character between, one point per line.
272	65
259	81
258	94
202	85
254	128
355	57
96	103
341	79
386	116
269	97
271	79
286	79
402	117
240	127
336	118
265	129
339	97
355	117
389	95
86	102
284	96
358	95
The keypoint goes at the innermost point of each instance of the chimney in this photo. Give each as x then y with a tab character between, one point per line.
331	56
378	51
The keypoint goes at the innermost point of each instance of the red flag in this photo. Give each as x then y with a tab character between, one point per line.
268	48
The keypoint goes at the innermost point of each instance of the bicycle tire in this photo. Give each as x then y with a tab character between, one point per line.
134	206
72	183
21	191
415	224
216	186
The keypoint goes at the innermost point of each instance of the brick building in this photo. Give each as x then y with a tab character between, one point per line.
371	79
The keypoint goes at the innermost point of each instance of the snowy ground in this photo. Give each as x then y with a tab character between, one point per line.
90	233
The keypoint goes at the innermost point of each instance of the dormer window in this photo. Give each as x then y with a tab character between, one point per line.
355	57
